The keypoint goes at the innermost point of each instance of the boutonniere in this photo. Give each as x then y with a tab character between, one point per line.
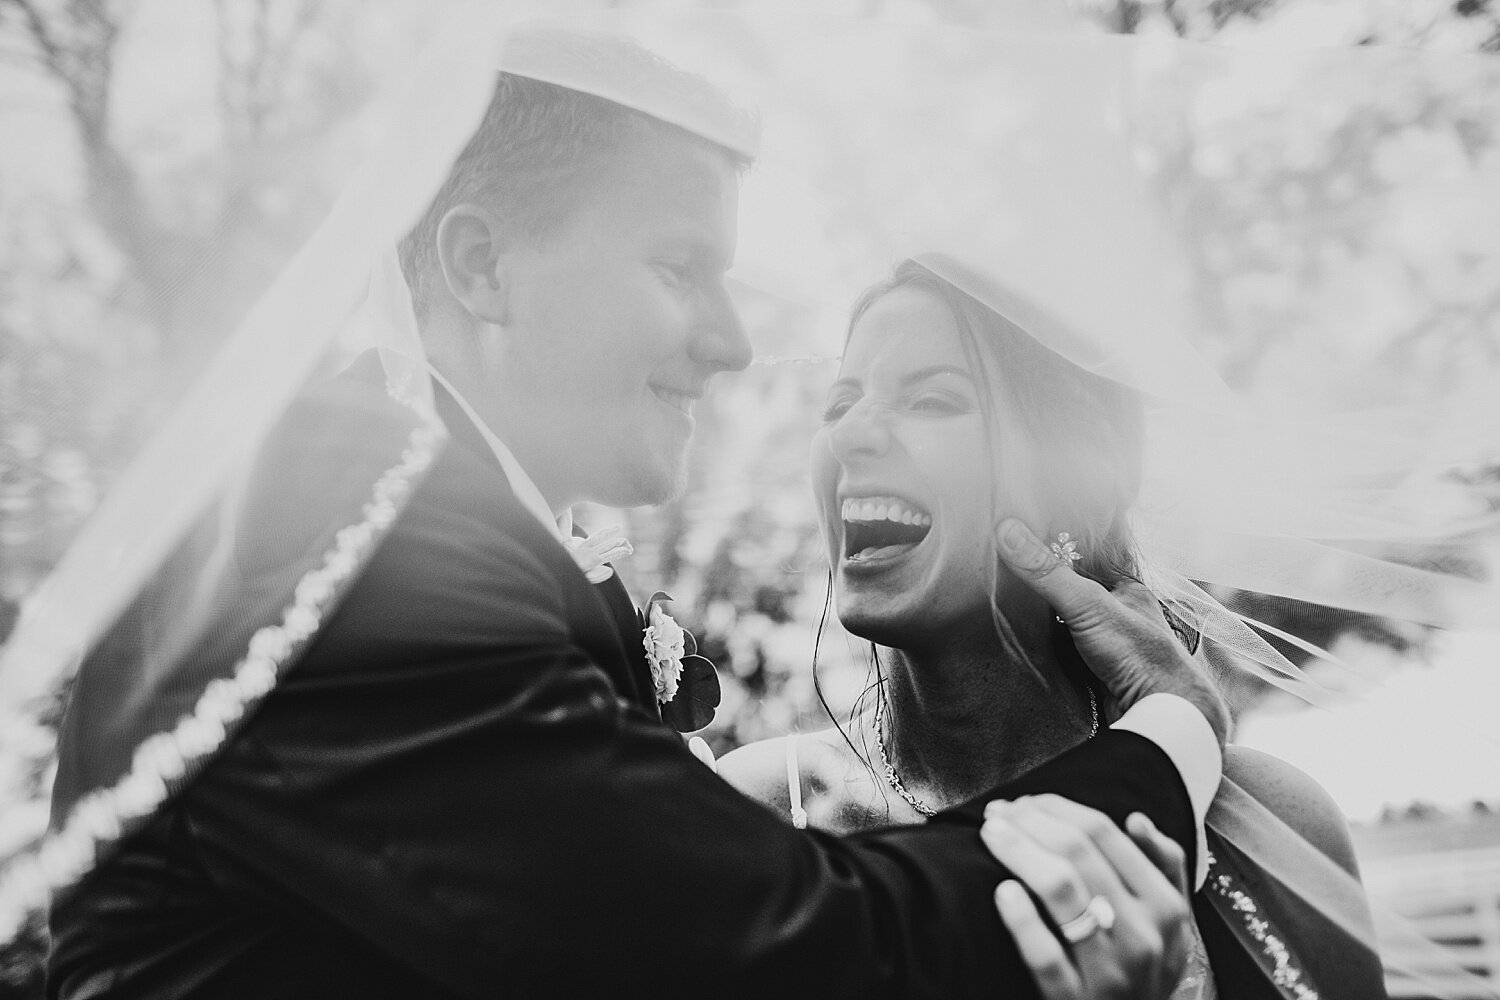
593	553
687	686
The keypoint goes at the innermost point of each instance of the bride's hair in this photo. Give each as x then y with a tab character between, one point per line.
1088	428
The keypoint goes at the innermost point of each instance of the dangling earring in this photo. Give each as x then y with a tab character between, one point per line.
1065	549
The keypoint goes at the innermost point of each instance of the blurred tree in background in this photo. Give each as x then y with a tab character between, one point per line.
149	190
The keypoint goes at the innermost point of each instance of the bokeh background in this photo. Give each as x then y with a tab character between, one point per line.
222	130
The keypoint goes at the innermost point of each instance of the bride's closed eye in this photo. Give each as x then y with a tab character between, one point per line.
941	404
836	408
929	402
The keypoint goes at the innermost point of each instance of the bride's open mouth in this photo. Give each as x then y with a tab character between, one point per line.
880	528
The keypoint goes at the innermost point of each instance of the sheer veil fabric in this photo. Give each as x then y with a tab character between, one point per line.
1016	164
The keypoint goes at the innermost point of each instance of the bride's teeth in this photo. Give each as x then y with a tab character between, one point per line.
883	510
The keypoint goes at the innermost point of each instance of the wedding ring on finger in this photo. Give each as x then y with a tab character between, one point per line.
1099	915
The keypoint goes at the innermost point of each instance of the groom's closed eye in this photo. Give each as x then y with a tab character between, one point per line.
676	274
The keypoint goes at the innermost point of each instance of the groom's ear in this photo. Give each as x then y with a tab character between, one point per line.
471	246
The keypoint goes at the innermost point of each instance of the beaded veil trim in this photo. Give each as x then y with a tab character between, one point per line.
99	817
1273	954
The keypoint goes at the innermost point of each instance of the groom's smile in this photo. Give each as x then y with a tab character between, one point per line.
682	401
618	320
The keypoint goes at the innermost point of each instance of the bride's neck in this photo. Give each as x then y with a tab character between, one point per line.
966	715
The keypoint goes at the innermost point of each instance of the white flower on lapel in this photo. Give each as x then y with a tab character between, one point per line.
598	549
666	645
687	687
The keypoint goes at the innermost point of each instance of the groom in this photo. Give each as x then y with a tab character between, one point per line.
463	787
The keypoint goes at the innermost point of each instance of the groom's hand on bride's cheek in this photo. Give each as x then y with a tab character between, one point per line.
1118	901
1121	634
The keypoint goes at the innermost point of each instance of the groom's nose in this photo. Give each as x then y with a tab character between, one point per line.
720	341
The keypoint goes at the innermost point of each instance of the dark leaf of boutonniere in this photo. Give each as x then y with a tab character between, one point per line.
697	696
644	612
687	686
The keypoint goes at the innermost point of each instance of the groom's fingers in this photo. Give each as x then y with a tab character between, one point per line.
1138	598
1121	636
1078	600
1083	603
1109	636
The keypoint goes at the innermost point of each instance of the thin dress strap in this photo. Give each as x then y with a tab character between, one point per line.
794	783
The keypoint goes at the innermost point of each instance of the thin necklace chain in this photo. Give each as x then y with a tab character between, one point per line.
894	779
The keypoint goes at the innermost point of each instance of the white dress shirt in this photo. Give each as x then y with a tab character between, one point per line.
520	483
1182	732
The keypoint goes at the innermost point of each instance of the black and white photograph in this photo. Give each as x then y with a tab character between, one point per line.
718	498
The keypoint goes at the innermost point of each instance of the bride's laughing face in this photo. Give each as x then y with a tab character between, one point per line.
907	480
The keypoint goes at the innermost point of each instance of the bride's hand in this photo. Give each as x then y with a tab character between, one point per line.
1120	633
1134	943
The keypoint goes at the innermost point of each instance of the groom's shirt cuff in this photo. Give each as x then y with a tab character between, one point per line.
1182	732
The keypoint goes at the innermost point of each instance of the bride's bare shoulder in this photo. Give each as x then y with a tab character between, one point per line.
759	769
1296	799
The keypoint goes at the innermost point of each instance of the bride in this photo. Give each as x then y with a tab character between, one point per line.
946	426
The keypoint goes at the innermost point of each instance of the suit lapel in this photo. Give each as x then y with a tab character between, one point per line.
628	624
602	617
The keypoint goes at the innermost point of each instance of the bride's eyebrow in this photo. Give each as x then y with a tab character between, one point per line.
910	378
920	374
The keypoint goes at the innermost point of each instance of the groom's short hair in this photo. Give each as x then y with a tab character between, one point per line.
539	146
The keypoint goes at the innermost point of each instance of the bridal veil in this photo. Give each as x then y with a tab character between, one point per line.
1070	180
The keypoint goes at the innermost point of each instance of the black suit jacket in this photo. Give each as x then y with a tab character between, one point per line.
462	788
